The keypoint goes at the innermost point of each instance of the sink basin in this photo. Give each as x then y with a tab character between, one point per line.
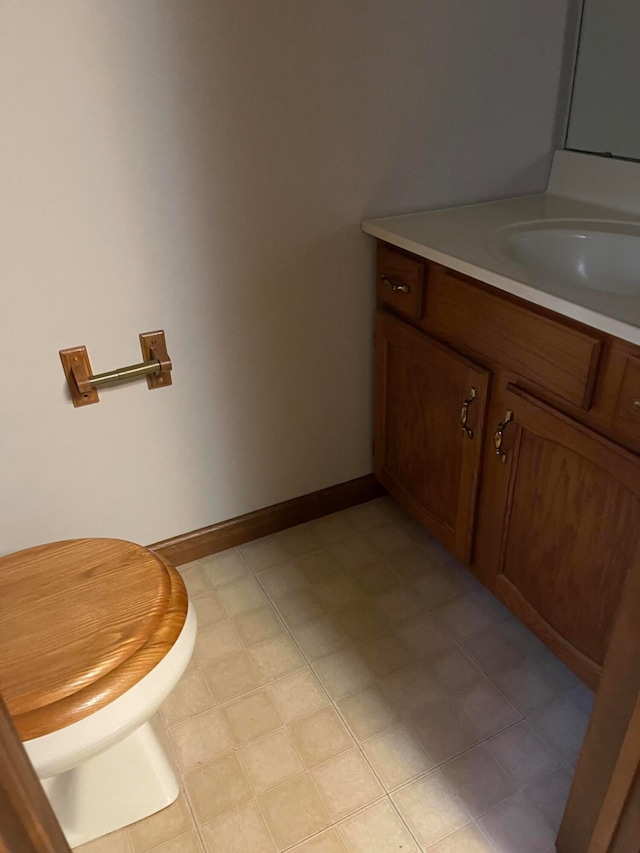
592	254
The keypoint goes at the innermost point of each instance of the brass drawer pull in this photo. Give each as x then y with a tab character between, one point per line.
391	285
497	438
464	412
636	405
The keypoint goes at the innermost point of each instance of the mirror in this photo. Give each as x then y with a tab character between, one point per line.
605	114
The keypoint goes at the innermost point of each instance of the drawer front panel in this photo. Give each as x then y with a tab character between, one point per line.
554	356
400	282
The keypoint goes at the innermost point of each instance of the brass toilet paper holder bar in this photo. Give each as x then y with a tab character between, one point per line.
83	384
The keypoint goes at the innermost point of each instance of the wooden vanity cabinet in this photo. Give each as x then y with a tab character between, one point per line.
542	502
423	455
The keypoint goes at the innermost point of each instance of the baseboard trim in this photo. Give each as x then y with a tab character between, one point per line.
236	531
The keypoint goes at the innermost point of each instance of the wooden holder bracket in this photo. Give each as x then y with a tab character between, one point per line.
83	383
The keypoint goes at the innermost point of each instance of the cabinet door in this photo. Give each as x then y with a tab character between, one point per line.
567	525
423	455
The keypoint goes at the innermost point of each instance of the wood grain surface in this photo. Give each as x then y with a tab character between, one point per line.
569	522
82	621
422	456
549	353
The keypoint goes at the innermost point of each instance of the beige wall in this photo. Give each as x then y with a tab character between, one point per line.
203	167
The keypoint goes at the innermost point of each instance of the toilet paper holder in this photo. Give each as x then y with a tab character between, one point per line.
83	384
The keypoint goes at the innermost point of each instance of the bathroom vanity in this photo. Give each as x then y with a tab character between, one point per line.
507	406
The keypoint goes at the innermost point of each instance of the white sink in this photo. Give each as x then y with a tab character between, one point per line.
593	254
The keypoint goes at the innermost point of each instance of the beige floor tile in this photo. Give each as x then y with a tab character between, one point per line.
492	605
389	538
294	811
526	687
114	842
232	676
436	588
333	528
297	695
300	607
223	568
465	617
479	782
367	516
524	756
550	795
411	562
376	577
385	654
396	756
320	736
583	698
346	784
516	825
191	696
487	709
343	673
242	596
250	717
319	638
270	761
300	540
327	842
454	672
276	658
338	591
265	553
398	604
193	578
199	740
368	712
240	831
556	672
521	637
430	808
360	620
494	649
412	690
217	787
319	566
444	731
163	826
188	843
208	609
282	581
257	625
215	642
563	725
425	638
354	553
378	829
469	839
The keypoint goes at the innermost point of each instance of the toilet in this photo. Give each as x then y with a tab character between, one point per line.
94	635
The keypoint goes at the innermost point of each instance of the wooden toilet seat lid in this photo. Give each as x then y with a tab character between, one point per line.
81	622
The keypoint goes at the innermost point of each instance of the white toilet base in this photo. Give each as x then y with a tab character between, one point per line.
129	781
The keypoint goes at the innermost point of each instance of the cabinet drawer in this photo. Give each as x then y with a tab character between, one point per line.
399	282
553	356
627	416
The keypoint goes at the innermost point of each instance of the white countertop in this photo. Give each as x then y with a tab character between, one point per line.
465	239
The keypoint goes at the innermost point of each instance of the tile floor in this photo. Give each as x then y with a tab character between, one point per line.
355	690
